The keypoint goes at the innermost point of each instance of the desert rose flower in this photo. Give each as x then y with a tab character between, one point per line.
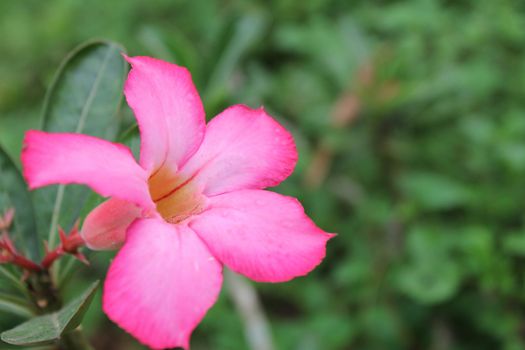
193	203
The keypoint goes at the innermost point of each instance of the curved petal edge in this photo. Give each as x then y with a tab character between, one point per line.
66	158
262	235
161	283
168	110
243	148
105	226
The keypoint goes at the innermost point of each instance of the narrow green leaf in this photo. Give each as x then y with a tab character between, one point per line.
51	327
15	305
14	194
12	279
84	97
246	33
66	272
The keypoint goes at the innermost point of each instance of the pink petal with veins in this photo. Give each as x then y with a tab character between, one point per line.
63	158
263	235
168	109
161	284
243	149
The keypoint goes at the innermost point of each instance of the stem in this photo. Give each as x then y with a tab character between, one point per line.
41	288
9	254
54	219
43	292
50	257
68	245
248	305
75	340
24	263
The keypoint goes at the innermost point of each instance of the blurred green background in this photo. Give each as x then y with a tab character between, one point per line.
410	122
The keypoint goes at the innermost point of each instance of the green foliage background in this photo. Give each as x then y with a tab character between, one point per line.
410	122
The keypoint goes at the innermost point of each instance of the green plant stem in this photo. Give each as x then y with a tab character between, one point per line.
74	340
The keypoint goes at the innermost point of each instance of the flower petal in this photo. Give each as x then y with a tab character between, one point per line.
161	283
62	158
261	234
243	149
105	226
168	110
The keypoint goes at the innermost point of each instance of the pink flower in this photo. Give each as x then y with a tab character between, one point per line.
194	202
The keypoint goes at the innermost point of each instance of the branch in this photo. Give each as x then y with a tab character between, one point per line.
246	300
69	244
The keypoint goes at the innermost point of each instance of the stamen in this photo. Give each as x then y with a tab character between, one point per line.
176	198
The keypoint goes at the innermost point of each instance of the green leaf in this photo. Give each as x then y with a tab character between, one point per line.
246	34
16	281
51	327
434	191
432	274
14	194
429	282
15	305
514	243
131	138
85	97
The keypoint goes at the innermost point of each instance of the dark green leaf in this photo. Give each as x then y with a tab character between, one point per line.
514	243
431	274
84	97
429	282
12	279
433	191
13	194
15	305
48	328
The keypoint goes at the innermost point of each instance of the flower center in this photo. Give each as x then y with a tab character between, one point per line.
176	198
